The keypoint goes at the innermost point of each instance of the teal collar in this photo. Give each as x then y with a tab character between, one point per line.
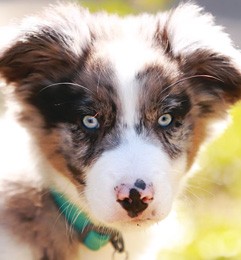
88	233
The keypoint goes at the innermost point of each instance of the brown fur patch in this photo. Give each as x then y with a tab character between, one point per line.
33	218
215	74
198	136
158	97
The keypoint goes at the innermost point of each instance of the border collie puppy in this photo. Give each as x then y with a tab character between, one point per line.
113	112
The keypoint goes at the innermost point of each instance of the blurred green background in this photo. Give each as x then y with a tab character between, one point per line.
123	7
210	207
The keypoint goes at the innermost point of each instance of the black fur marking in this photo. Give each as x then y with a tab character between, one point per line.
62	103
177	105
69	102
173	135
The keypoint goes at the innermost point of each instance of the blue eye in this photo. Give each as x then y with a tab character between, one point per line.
165	120
91	122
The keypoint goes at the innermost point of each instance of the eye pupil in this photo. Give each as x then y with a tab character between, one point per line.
90	122
165	120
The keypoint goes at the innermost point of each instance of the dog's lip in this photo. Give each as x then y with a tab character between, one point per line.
139	220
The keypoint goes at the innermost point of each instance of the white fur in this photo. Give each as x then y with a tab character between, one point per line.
127	54
13	248
190	29
136	157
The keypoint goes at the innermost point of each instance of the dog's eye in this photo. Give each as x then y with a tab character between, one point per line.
90	122
165	120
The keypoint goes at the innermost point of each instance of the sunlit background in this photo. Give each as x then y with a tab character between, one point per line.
209	211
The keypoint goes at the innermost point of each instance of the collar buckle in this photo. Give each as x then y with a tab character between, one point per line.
117	242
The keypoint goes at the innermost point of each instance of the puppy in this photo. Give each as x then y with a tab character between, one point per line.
112	112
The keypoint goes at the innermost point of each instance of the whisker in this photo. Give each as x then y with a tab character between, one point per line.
64	83
190	187
197	76
85	225
71	224
186	78
192	77
60	214
98	83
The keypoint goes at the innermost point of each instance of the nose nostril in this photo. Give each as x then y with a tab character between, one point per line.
122	197
147	199
125	203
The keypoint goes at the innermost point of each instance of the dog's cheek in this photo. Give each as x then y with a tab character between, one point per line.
199	135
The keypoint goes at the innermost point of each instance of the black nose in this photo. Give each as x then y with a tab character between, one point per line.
134	205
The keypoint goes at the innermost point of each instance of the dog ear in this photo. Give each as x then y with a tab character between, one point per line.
206	56
46	49
215	75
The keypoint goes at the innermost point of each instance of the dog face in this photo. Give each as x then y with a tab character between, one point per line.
119	107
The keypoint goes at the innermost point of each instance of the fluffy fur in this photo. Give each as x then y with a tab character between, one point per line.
93	93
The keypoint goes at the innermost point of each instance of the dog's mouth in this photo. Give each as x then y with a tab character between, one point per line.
137	223
142	221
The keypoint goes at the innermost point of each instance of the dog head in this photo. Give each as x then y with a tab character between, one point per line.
120	106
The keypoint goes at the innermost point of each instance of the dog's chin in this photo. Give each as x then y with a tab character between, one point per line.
138	223
132	224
